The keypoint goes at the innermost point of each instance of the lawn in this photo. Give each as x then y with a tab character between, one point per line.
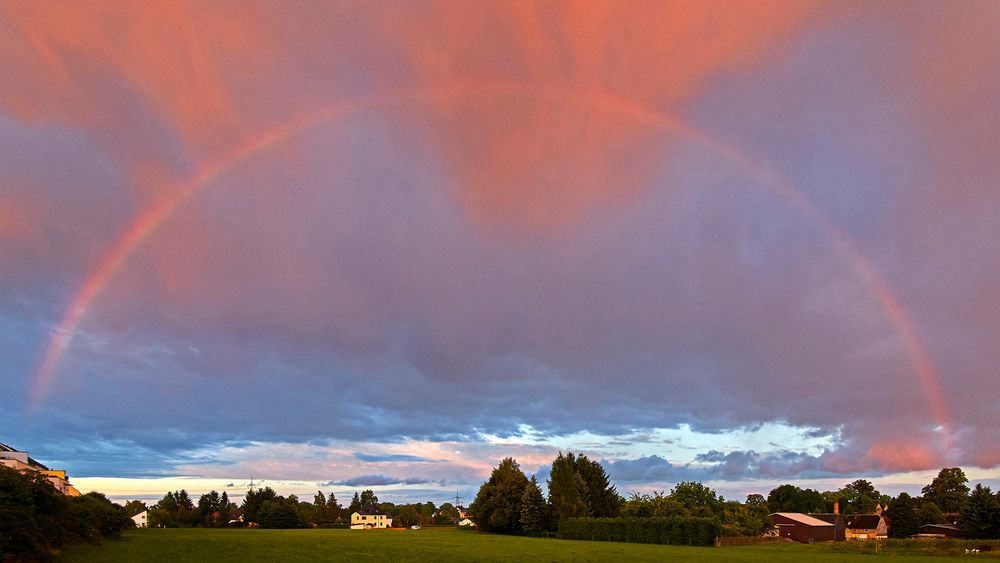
173	545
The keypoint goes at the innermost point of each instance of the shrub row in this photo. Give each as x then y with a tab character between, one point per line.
675	530
36	520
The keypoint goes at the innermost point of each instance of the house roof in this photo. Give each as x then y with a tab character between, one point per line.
941	527
802	518
863	521
371	511
831	517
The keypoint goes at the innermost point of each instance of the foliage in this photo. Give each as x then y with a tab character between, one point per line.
447	514
534	510
36	520
928	512
859	497
134	507
602	497
254	500
981	514
657	504
696	498
497	507
368	499
789	498
948	490
567	490
902	513
676	530
175	510
744	519
279	512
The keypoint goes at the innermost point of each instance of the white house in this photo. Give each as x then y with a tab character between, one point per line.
142	519
369	518
465	522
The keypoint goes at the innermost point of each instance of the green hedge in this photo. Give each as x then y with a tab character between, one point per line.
675	530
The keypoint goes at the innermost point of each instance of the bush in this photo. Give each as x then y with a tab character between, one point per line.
676	530
36	520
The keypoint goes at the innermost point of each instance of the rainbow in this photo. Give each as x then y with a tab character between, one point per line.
147	223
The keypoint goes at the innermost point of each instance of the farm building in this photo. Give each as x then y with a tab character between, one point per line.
939	531
801	527
866	527
142	519
838	521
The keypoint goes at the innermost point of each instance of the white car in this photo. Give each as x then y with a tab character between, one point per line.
415	527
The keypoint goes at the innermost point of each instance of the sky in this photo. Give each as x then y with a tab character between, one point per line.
348	245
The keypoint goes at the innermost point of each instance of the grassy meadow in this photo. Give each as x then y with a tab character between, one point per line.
171	545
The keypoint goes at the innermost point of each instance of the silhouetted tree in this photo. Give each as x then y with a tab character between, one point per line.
981	514
534	509
497	507
948	490
902	514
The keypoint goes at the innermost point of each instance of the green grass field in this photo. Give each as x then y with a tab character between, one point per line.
429	545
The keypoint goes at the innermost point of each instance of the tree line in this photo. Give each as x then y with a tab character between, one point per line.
265	508
511	502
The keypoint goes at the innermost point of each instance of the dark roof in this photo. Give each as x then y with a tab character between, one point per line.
941	527
831	517
863	521
371	511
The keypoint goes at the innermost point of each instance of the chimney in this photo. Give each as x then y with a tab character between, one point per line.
836	507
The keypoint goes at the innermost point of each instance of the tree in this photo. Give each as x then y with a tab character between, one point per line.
534	510
210	509
279	512
567	490
447	514
657	504
981	514
859	497
134	507
355	504
175	510
696	498
333	509
225	508
789	498
756	500
948	490
928	512
368	499
902	513
497	506
602	498
254	501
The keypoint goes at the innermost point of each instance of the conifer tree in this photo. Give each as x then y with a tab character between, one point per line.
533	507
